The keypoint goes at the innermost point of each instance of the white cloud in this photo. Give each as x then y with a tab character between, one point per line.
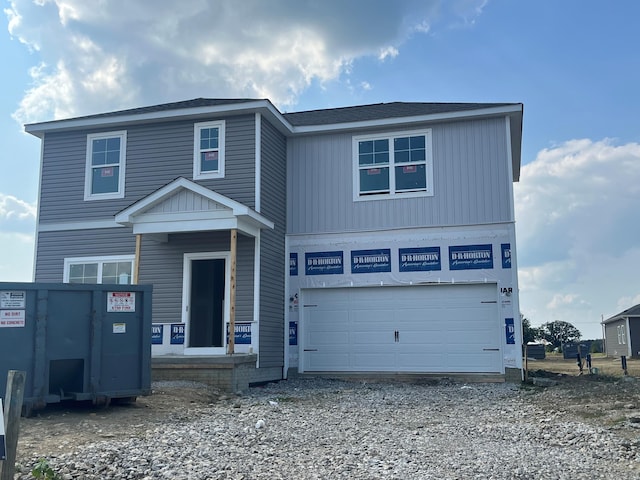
17	224
101	56
388	52
12	208
18	266
578	230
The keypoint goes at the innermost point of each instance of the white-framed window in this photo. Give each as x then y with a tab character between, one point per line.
108	269
622	336
394	165
208	150
105	167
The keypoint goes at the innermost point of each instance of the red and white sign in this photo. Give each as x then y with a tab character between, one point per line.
121	301
12	318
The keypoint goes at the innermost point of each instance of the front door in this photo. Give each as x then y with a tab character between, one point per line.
204	296
206	320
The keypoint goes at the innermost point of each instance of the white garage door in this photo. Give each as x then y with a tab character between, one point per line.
439	329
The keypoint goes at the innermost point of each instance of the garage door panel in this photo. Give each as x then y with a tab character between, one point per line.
374	362
327	361
426	362
439	329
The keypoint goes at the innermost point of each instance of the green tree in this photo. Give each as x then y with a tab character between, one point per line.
559	332
529	333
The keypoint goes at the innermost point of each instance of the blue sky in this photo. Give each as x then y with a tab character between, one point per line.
574	64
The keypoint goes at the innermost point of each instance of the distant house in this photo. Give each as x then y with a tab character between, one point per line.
622	333
372	238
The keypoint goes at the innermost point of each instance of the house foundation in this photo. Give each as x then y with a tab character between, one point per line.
230	373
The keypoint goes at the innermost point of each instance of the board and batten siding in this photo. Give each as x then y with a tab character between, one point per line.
272	246
471	182
157	154
161	263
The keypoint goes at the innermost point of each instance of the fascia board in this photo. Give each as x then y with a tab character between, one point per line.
188	226
185	226
395	121
110	121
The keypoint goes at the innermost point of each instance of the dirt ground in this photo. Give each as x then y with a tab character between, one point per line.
554	362
605	399
60	428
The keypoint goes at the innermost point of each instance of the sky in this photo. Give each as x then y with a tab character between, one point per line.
574	64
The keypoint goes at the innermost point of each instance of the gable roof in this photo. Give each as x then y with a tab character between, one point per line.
629	312
379	111
185	206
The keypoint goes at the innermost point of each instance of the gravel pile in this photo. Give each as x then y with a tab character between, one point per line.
333	429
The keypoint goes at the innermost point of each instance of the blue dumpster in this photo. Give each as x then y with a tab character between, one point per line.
76	342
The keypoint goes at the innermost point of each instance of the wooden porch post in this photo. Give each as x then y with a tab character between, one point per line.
136	260
232	293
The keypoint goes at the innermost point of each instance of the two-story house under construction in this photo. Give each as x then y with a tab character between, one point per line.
367	239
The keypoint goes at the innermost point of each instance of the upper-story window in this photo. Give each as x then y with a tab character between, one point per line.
393	165
208	154
105	168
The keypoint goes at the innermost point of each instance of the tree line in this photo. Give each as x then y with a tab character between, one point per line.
556	333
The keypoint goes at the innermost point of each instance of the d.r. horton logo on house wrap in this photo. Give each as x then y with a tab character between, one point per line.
422	259
471	257
369	261
506	255
323	263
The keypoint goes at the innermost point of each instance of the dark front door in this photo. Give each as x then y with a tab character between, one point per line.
206	327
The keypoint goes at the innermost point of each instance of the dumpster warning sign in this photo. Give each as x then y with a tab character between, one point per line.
121	301
12	318
3	450
13	299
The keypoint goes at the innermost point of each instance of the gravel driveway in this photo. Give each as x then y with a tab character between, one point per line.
334	429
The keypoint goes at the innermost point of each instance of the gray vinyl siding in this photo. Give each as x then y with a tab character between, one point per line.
157	153
272	248
161	264
471	182
54	247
